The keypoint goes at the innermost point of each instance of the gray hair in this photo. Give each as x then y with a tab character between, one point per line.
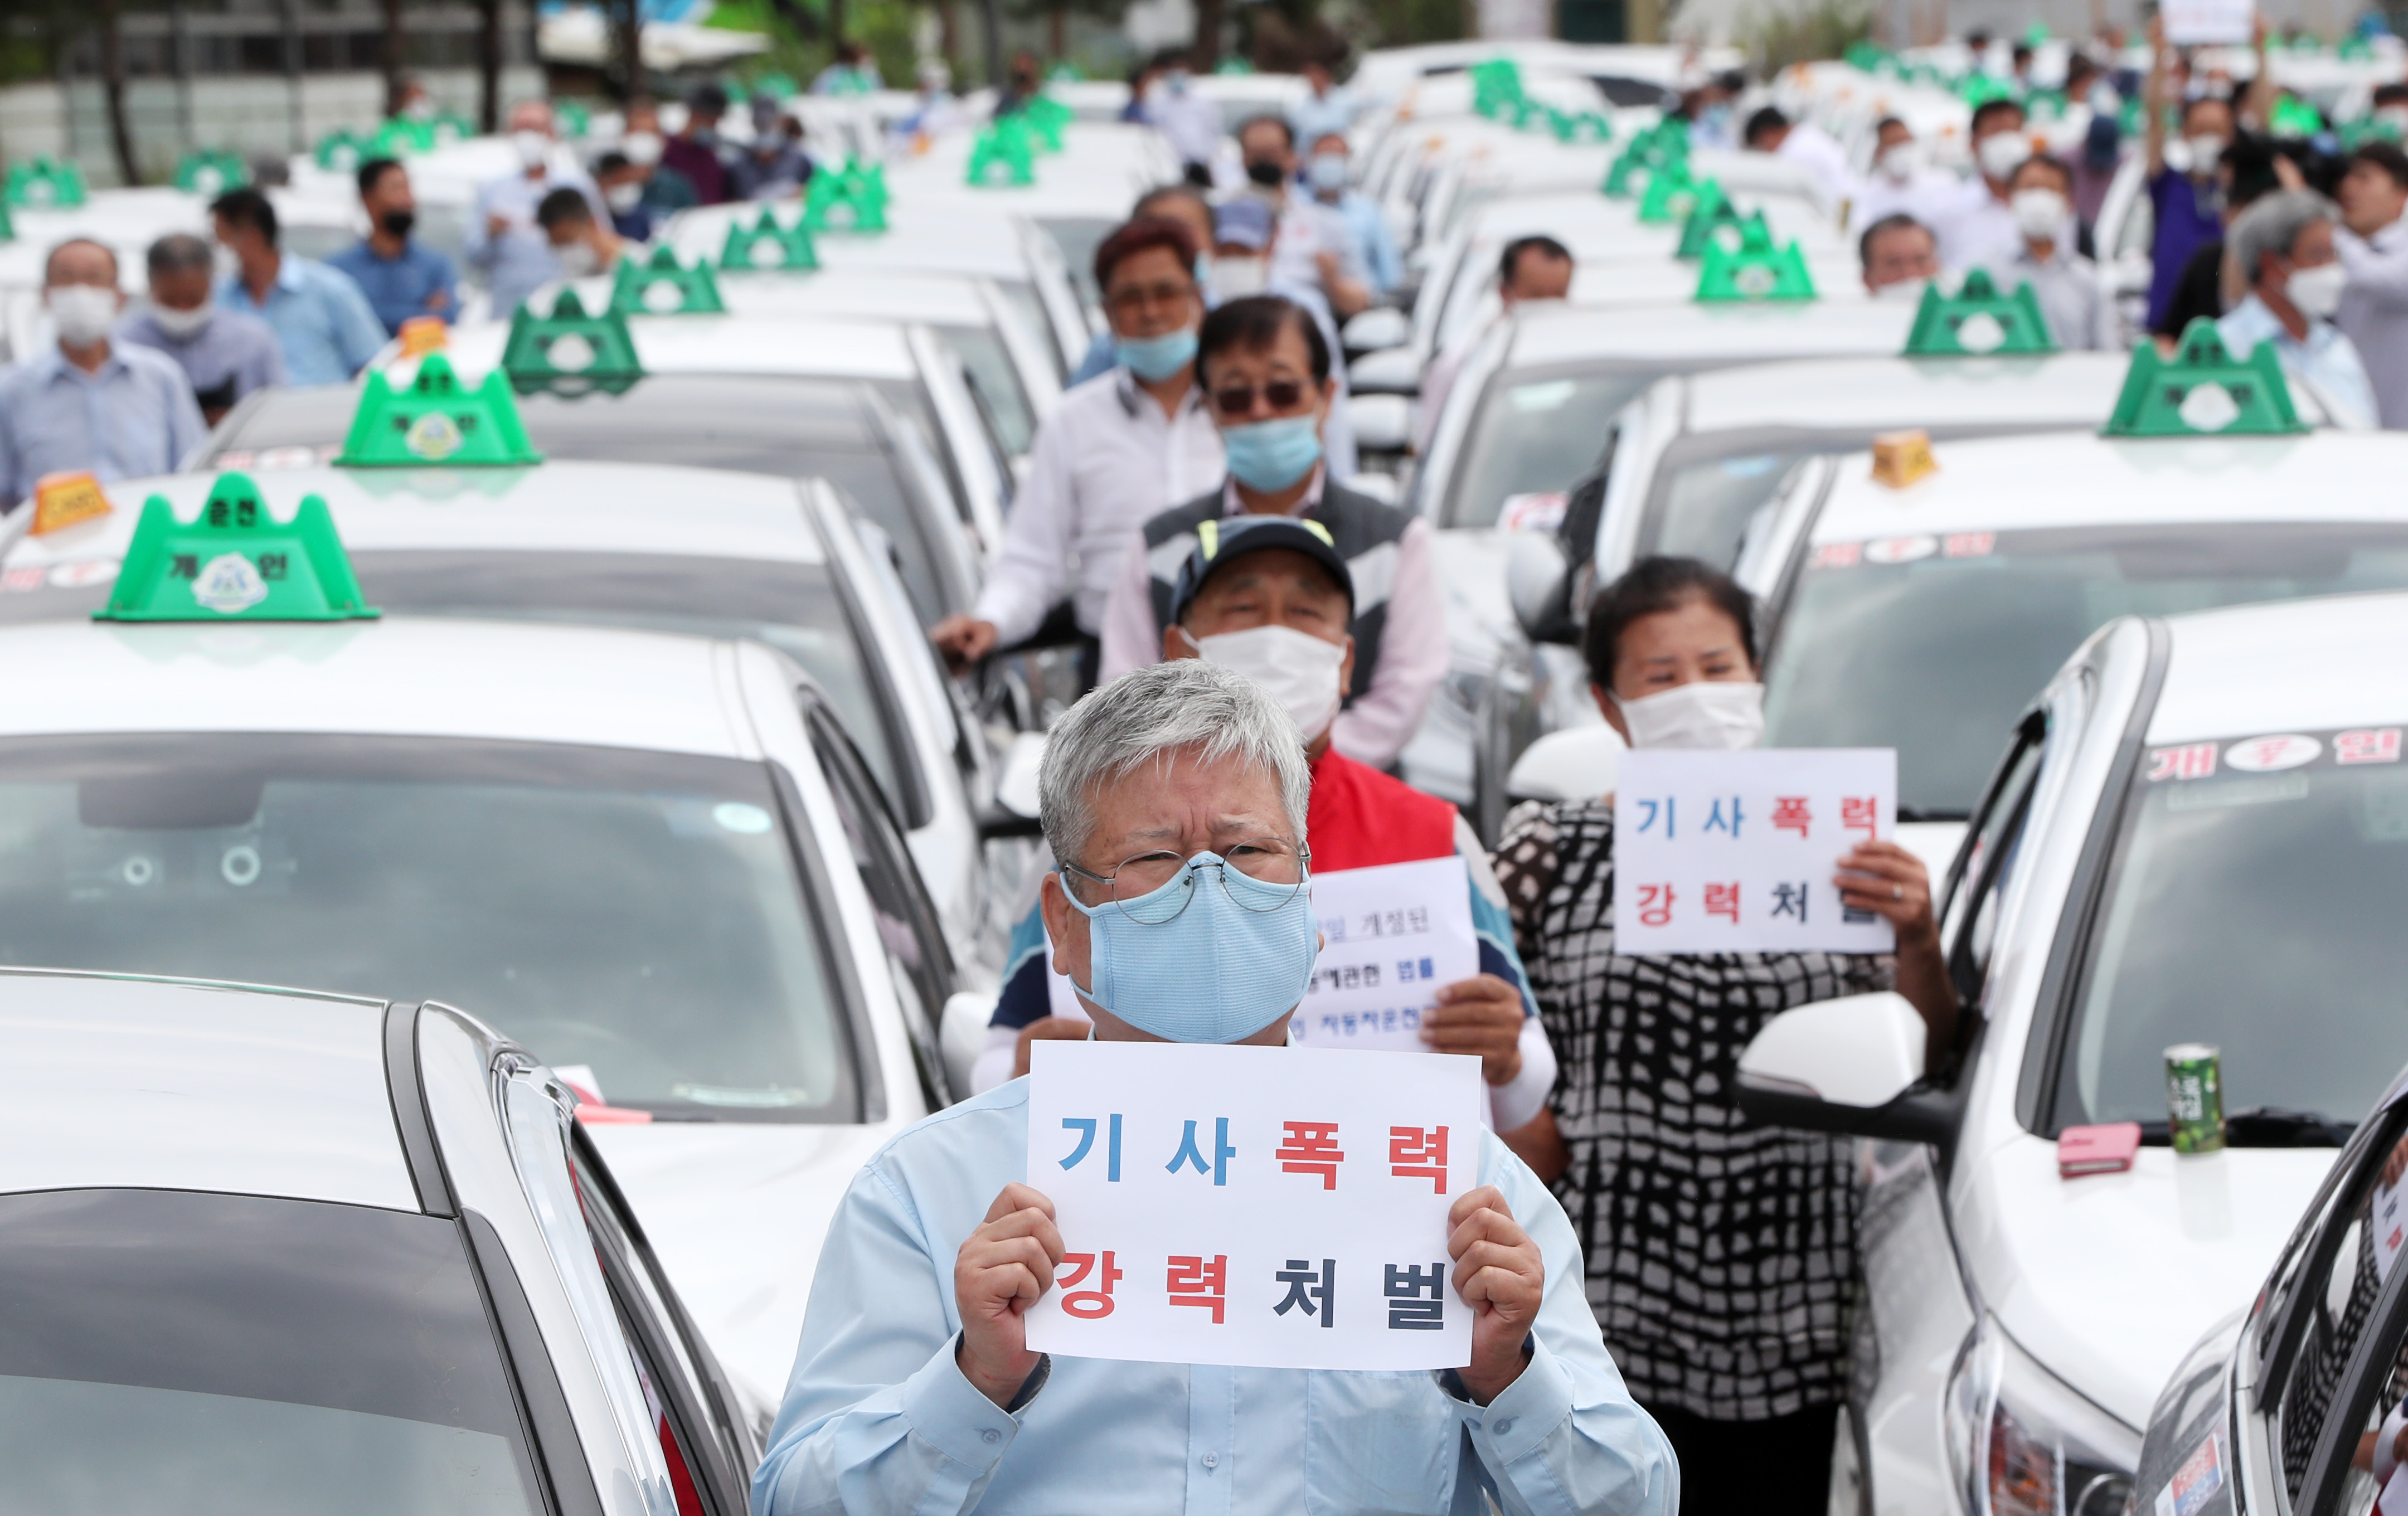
180	252
2273	224
1185	706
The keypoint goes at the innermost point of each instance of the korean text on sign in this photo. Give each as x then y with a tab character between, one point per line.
1391	937
1273	1207
1735	851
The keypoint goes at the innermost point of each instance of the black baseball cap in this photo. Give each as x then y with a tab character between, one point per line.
1220	540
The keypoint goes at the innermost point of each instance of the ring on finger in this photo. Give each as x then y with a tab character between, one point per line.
1897	891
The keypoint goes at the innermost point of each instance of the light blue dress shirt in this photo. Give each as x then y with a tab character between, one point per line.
879	1417
1373	242
319	318
517	260
2326	361
134	418
1313	117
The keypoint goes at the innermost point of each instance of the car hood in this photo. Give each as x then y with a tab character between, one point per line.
736	1212
2110	1280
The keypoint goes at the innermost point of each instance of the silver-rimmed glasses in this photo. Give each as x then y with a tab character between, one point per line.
1259	873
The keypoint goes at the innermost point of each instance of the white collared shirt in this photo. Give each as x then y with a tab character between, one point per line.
2373	313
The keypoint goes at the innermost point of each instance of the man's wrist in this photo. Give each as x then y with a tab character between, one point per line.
1006	1387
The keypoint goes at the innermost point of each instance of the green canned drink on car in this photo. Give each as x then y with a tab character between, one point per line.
2195	1098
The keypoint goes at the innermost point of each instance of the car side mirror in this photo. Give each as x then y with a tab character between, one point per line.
1013	812
1538	582
1851	1065
1378	328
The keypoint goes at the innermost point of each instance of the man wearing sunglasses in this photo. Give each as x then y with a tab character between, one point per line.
1268	597
1120	448
1265	364
1175	801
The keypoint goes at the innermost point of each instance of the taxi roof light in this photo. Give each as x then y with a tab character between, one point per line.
858	189
45	183
1714	214
666	287
1008	145
235	563
1977	320
2203	391
1755	271
435	418
767	245
1671	195
569	351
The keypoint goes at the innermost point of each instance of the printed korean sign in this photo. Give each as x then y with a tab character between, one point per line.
1735	851
1391	935
1266	1208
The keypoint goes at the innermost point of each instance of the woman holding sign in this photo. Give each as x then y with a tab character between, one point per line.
1720	1254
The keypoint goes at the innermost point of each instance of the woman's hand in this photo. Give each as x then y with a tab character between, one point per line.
1889	881
1482	1016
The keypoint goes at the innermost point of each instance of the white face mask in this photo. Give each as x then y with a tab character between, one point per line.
533	147
1703	714
83	313
577	259
1905	291
643	148
2000	153
2205	151
1234	279
2316	291
1300	671
2038	213
1899	162
182	324
622	198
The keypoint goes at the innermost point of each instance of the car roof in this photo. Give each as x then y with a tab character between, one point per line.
953	238
565	505
121	1083
748	343
1680	336
436	677
938	299
2080	479
2317	663
1848	393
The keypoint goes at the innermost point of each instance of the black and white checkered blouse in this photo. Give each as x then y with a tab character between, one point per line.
1721	1255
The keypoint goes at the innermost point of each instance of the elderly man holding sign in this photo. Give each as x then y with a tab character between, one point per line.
1175	798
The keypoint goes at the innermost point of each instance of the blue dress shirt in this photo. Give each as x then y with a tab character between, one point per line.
400	288
879	1417
135	417
2326	361
319	318
228	358
1373	242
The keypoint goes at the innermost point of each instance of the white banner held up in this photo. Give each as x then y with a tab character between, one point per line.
2194	23
1735	851
1268	1207
1391	935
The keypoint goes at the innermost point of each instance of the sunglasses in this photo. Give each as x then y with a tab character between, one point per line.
1238	399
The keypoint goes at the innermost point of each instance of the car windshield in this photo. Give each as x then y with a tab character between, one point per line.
792	427
1700	509
163	1350
637	913
1932	644
2252	905
1536	435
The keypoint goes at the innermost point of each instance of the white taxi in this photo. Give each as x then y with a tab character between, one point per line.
2194	837
318	1250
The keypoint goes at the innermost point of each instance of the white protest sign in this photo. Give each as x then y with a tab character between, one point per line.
2192	22
1735	851
1390	936
1266	1208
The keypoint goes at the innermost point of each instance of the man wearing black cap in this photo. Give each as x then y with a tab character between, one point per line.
1271	597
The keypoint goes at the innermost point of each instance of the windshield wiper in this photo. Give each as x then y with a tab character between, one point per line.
2266	1126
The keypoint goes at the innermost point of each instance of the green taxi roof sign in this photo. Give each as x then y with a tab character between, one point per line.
1007	146
210	172
342	150
665	286
1977	320
235	563
847	199
7	227
2203	391
1666	142
569	351
1713	213
44	183
767	245
435	418
1671	195
1755	271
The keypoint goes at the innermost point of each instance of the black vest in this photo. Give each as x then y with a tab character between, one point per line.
1364	532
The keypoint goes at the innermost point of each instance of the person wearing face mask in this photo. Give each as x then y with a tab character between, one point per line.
1174	804
1186	119
775	167
1531	269
1181	202
503	237
1265	364
1720	1253
1268	597
2374	244
401	277
665	189
2181	176
116	409
1367	235
2283	246
1310	248
2072	300
1809	147
224	355
1974	224
1328	108
1901	182
695	152
622	184
580	246
322	322
1118	449
1901	258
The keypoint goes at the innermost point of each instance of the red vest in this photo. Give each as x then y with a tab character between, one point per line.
1360	818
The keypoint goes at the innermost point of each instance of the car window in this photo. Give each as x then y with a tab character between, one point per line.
1535	434
1700	509
1931	643
642	914
993	384
190	1350
1985	864
2245	868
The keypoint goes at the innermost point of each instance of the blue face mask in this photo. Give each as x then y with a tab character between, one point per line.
1157	358
1218	971
1272	455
